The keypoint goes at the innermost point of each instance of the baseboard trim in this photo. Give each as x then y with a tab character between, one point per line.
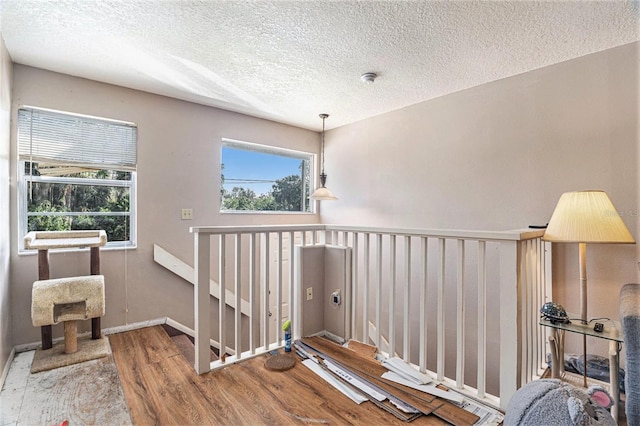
134	326
180	327
5	370
106	331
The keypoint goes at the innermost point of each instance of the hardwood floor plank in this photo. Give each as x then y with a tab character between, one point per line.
305	397
161	388
373	370
140	406
156	389
362	349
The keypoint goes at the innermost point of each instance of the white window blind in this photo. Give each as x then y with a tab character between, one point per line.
53	137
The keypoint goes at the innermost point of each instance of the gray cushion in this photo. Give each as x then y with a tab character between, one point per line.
630	320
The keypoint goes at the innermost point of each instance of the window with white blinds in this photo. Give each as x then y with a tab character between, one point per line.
76	173
54	137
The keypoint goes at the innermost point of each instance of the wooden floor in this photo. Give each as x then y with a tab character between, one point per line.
160	387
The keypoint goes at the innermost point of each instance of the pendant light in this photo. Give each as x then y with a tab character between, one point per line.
323	193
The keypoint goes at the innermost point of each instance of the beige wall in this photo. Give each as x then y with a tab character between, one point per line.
5	114
499	156
178	167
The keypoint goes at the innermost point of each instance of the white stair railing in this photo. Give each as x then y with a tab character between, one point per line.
431	296
248	261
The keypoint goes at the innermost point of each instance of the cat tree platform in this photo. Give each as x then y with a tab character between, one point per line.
43	241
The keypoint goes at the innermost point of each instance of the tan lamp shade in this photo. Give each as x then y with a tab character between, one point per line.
586	217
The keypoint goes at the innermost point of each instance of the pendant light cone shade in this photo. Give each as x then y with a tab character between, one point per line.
586	217
323	193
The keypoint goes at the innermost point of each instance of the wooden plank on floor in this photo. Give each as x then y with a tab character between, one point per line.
362	349
151	371
161	388
372	370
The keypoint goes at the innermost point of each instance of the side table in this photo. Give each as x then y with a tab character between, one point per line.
612	332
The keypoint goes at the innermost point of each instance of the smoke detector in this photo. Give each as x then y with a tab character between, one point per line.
368	77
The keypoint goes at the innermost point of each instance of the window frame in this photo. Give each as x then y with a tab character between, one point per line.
24	179
24	213
272	150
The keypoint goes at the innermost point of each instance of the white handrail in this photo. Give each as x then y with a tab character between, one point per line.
225	230
510	235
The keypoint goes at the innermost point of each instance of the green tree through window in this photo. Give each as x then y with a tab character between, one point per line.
80	200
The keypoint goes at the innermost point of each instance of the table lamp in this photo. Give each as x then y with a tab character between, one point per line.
586	217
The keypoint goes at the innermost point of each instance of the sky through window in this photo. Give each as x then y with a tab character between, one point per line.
255	170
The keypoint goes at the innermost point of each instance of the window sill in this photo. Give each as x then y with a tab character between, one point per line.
23	252
267	212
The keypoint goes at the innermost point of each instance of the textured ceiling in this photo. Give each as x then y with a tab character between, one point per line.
290	60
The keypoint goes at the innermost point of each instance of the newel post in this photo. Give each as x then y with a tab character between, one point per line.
510	320
201	259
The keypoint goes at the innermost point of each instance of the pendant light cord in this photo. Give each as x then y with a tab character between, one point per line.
323	116
322	193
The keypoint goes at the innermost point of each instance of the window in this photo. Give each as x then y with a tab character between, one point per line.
260	178
76	172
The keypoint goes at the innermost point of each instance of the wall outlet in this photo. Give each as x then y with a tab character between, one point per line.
187	214
309	293
335	298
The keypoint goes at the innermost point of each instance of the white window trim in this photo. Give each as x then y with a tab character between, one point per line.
269	149
123	160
